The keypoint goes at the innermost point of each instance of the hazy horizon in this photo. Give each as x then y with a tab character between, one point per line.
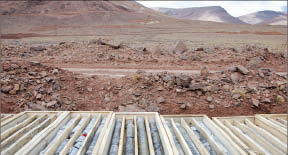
232	7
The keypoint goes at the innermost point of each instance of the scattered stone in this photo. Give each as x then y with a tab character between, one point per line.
160	88
226	88
183	106
236	96
280	83
56	86
195	58
209	99
34	63
106	99
183	57
225	80
37	48
160	100
179	48
15	89
43	74
143	50
255	102
217	101
89	89
180	90
67	100
237	104
137	94
267	86
153	108
55	71
232	69
167	78
251	87
183	81
261	74
234	77
51	104
266	71
36	107
6	89
114	45
211	106
266	100
38	96
32	73
196	86
199	49
242	70
255	62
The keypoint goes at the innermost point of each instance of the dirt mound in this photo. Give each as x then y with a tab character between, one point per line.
237	91
32	86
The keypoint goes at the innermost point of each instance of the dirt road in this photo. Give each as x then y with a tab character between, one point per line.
118	73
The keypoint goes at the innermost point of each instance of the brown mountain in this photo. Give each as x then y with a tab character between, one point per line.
48	7
74	12
211	13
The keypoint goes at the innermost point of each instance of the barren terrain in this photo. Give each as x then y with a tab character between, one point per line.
140	61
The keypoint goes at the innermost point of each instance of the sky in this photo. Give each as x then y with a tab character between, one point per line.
235	8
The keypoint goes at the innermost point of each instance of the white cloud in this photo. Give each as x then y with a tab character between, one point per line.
235	8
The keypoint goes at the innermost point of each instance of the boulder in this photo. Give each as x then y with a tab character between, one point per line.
196	86
183	106
179	48
51	104
255	102
183	81
211	106
266	100
265	71
242	70
209	99
160	100
6	89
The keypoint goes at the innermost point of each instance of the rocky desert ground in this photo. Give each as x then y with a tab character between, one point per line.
140	60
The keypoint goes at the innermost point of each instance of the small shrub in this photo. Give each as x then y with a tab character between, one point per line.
137	77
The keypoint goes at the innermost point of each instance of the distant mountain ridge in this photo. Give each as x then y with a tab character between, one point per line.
265	17
219	14
210	13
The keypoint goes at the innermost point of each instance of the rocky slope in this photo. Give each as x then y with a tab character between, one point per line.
211	13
